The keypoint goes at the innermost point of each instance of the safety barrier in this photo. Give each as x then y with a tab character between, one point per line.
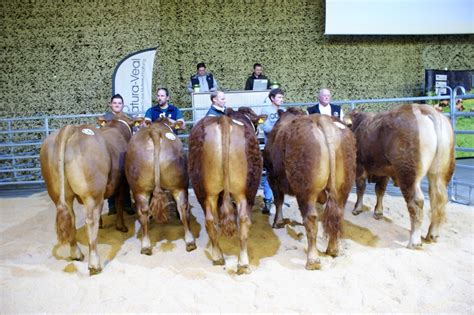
21	138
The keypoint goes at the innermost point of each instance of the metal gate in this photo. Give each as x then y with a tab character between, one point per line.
21	138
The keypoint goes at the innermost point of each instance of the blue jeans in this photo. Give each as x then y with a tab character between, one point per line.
267	191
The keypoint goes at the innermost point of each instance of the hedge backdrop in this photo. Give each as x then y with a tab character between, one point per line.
58	57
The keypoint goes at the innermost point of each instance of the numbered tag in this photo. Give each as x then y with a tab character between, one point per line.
170	136
88	132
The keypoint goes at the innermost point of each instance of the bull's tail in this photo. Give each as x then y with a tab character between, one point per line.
158	199
226	214
333	214
442	167
64	220
444	160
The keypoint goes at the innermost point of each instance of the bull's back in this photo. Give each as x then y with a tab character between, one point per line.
139	162
212	172
306	158
87	162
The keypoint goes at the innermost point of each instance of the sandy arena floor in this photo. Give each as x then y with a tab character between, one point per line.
374	273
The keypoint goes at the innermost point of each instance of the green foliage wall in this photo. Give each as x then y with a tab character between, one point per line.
58	57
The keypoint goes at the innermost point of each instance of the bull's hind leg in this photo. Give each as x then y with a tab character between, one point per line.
380	187
93	209
310	222
119	202
143	209
360	189
181	198
210	208
438	200
414	198
278	221
66	228
244	224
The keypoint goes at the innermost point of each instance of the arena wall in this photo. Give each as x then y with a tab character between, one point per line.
58	57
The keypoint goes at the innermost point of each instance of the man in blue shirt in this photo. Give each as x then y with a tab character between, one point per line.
164	109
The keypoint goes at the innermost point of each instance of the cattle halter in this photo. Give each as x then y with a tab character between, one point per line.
126	124
251	123
169	127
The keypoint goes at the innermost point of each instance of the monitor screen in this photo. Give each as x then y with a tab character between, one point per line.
399	17
260	84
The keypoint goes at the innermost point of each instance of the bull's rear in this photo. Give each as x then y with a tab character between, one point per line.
155	162
312	158
406	144
83	163
225	165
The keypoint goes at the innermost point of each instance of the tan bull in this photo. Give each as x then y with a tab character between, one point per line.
85	163
406	144
225	162
156	162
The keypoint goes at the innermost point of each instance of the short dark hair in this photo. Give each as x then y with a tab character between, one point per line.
116	96
255	65
163	89
200	65
274	93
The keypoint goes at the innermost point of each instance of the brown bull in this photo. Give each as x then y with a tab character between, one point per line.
313	158
85	163
156	162
406	144
224	162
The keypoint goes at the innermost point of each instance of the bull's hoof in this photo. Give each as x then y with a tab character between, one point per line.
243	269
123	229
190	246
313	264
80	258
357	211
220	262
378	215
279	225
146	251
415	246
332	252
431	239
94	271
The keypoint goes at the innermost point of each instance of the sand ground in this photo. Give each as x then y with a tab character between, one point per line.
375	272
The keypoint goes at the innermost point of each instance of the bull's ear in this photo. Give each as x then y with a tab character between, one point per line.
178	124
147	122
347	120
101	121
261	119
138	121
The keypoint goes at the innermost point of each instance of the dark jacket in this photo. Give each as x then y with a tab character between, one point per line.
335	110
215	112
209	79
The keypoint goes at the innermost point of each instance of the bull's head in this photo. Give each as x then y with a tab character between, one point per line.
355	117
247	116
171	123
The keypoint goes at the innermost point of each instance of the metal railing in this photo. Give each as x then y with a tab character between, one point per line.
21	138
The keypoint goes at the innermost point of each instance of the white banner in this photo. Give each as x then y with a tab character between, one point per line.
132	79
